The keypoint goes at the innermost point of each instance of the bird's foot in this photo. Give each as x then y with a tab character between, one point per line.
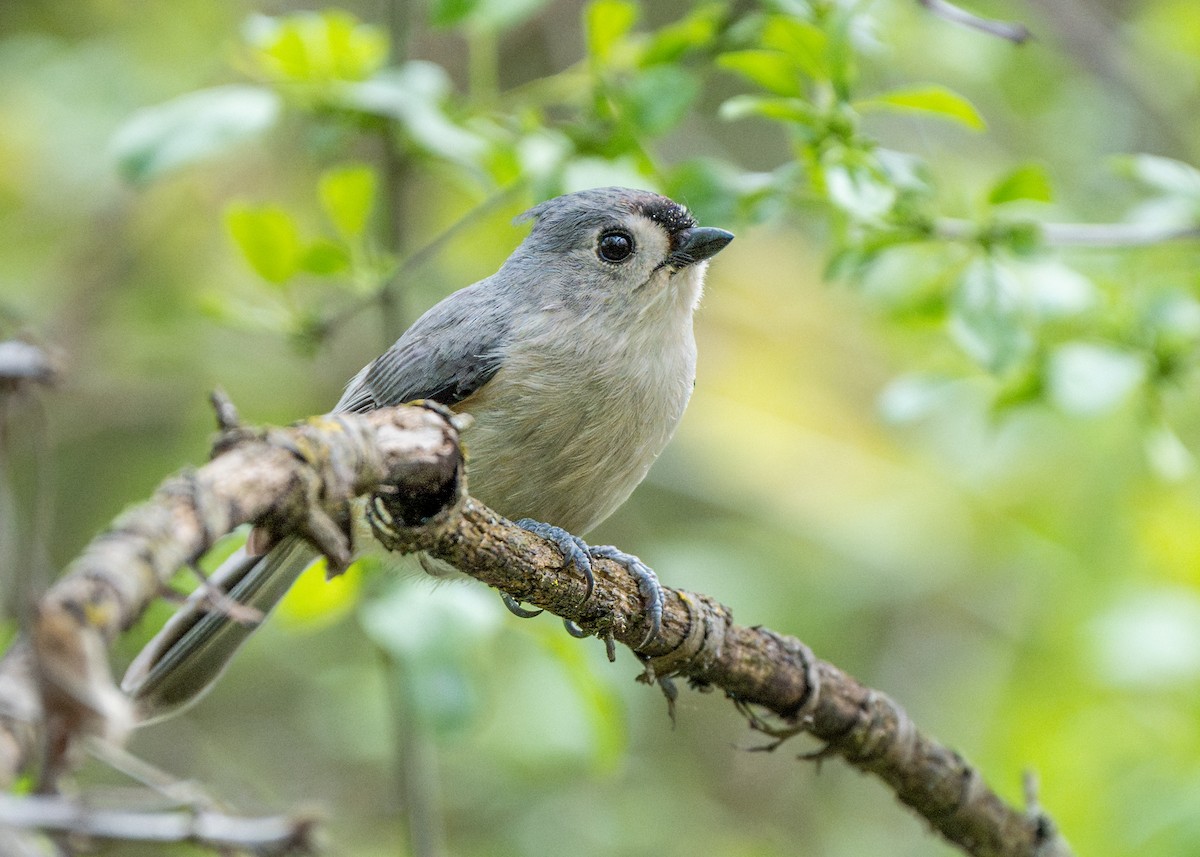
576	552
573	549
648	585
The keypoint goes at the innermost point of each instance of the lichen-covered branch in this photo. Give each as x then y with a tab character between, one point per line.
56	688
56	685
754	666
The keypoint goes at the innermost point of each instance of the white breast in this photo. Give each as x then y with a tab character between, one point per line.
581	408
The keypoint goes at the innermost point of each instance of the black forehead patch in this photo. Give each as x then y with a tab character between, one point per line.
670	215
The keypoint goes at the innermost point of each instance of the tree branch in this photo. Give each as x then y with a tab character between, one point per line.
1016	33
209	829
754	666
57	686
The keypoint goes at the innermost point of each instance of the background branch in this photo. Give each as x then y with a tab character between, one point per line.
1016	33
23	363
1081	234
204	827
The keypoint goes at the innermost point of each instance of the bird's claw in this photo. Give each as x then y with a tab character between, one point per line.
573	549
648	585
515	608
576	552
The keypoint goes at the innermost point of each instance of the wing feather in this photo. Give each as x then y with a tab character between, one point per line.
447	355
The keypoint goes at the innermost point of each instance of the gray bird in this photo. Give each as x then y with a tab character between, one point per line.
576	360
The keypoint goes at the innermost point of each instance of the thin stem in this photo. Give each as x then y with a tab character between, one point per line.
484	65
422	256
1082	234
392	315
419	793
1014	32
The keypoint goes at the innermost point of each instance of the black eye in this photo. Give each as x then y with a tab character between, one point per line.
615	246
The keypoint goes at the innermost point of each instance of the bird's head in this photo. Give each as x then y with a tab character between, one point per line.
617	241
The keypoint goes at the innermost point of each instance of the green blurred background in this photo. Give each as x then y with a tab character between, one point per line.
1024	580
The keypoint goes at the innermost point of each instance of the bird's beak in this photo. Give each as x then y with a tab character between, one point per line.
696	245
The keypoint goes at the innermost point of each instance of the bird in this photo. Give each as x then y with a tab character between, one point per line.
575	361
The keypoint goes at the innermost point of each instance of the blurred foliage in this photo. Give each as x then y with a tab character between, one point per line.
944	428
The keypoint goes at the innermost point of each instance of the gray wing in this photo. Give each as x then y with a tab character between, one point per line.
449	353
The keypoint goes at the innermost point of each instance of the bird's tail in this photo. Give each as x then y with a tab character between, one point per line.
188	655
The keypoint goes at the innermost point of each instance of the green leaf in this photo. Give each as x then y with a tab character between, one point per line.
413	94
985	320
447	13
695	31
347	194
772	70
158	139
1172	177
804	43
600	704
1167	454
255	317
499	15
1051	289
658	98
607	22
858	190
582	173
542	153
936	100
719	192
783	109
324	257
914	397
317	600
316	47
440	638
1026	182
1089	379
269	239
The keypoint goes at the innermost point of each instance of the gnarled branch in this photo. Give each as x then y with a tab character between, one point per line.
300	479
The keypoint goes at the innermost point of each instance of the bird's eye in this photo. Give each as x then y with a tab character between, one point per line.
615	246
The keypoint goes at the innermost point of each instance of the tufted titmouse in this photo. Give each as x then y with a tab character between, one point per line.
576	360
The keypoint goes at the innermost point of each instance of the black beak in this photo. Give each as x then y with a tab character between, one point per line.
697	244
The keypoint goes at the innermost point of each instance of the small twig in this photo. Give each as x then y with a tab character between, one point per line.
181	793
227	412
419	258
243	614
22	363
1016	33
265	835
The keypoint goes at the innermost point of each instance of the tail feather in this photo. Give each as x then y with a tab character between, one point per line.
183	660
